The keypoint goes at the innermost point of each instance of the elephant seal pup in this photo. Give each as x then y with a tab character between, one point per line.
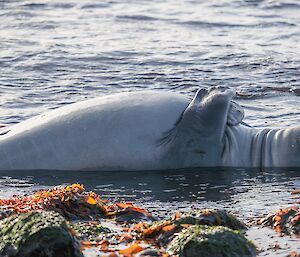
146	130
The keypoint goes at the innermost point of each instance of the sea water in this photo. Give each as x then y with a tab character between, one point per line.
58	52
54	53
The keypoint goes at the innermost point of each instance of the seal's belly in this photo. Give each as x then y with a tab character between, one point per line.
104	136
64	150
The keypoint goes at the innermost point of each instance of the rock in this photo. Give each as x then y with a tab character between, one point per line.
216	241
150	253
90	230
37	234
211	217
165	230
134	215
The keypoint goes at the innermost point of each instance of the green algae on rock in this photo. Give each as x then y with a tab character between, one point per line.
211	217
37	234
206	241
90	230
165	230
111	226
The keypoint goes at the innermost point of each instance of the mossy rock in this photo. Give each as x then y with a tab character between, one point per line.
211	217
37	234
90	231
205	241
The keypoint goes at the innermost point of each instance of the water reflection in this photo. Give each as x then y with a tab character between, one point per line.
196	185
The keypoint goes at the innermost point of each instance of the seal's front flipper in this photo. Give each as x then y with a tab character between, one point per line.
208	110
204	117
197	138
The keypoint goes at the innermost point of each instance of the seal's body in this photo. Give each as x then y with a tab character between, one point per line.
146	130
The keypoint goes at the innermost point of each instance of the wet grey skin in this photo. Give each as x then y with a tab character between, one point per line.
147	130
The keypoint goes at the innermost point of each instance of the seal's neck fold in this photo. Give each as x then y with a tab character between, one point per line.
237	146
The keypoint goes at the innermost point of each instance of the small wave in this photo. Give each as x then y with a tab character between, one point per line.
268	4
205	24
46	25
285	36
267	91
62	5
280	5
293	90
276	24
18	14
136	17
34	5
95	6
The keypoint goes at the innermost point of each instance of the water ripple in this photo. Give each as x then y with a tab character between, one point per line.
53	53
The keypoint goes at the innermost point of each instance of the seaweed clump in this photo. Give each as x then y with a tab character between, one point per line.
59	218
73	203
211	217
166	230
285	221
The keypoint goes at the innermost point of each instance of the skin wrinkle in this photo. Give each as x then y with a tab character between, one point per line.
258	154
284	141
263	152
229	145
253	155
268	147
270	136
259	151
225	143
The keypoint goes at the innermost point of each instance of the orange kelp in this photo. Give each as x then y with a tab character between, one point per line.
73	202
128	230
285	221
293	254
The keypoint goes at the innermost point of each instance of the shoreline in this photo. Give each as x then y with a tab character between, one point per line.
76	205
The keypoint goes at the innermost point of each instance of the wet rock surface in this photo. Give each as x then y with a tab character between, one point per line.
217	241
165	230
37	234
48	221
89	230
211	217
112	227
